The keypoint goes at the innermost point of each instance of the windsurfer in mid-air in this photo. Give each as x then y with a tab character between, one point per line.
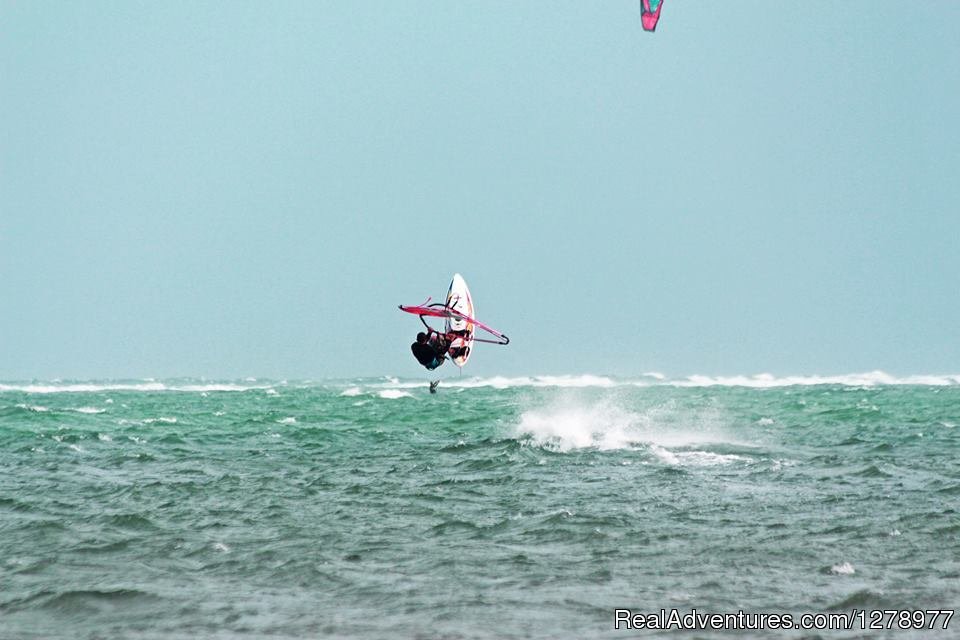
430	349
458	336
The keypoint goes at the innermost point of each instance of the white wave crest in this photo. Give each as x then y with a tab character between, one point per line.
605	425
766	380
648	379
652	379
161	420
394	394
148	386
694	458
33	407
577	428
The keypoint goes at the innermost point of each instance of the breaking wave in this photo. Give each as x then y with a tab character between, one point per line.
371	385
671	434
653	379
146	386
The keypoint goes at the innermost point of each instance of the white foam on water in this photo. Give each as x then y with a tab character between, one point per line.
206	388
163	420
287	420
82	387
104	437
708	458
868	380
90	410
146	386
565	382
605	425
572	427
843	569
33	407
394	394
667	457
694	458
766	380
503	382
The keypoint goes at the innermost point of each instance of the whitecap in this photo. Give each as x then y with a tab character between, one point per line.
148	385
352	391
665	456
843	569
864	380
564	428
707	458
33	407
89	410
287	420
605	425
393	394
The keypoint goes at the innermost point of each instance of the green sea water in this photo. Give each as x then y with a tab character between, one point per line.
498	508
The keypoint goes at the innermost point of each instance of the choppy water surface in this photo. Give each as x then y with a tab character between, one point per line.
496	508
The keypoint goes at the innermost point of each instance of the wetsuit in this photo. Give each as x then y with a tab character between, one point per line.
429	353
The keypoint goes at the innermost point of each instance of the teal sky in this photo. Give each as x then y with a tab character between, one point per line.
229	189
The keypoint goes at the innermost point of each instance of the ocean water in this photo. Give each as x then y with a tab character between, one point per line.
496	508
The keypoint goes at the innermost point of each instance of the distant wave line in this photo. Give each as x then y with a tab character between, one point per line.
356	386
